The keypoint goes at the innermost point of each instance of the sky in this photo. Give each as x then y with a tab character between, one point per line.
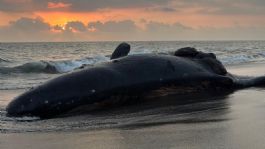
131	20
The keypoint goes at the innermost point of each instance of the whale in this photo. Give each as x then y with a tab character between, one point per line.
129	76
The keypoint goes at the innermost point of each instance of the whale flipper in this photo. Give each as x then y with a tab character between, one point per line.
122	50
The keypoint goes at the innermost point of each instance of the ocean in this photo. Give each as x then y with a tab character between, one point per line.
25	65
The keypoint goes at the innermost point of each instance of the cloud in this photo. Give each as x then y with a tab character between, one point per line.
74	5
23	5
167	9
113	26
25	29
36	29
29	25
162	9
53	5
76	26
28	29
163	31
163	27
206	7
223	7
88	5
73	26
227	33
114	30
202	7
58	28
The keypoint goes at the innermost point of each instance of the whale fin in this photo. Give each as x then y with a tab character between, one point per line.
122	50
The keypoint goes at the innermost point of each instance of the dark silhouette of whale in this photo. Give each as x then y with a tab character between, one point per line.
128	76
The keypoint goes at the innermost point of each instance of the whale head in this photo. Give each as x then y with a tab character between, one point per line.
22	105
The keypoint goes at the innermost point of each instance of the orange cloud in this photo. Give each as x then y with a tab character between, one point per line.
52	5
62	18
17	1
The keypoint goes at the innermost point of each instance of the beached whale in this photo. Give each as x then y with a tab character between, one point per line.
129	76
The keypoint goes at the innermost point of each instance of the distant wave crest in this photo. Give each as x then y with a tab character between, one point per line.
3	60
52	66
62	66
242	58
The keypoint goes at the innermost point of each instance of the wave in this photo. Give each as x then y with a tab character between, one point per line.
52	66
32	67
227	57
4	60
241	58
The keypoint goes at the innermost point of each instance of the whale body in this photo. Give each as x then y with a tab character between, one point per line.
127	75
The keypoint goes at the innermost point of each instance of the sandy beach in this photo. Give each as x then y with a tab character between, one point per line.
237	123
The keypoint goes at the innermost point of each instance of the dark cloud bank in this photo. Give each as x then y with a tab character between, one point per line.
28	29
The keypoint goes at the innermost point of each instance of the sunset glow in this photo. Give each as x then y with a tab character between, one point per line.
61	18
215	16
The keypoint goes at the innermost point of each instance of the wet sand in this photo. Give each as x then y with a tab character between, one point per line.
238	124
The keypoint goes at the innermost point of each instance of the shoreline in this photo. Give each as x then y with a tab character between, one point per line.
234	131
